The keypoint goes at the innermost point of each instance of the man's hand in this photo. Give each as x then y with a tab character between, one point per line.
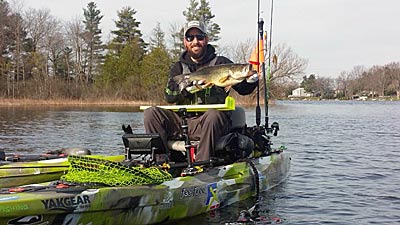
252	79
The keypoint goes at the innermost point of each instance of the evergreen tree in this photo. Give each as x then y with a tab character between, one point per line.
308	83
195	11
177	41
92	37
118	67
202	11
127	30
157	39
156	65
206	16
127	49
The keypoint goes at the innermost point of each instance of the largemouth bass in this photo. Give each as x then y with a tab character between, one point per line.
223	75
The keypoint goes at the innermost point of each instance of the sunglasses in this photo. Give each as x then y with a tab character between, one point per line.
199	37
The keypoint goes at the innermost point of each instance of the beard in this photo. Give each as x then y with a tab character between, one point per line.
198	53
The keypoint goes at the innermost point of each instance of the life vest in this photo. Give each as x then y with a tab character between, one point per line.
185	67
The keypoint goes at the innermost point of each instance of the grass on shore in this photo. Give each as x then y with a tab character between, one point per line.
61	102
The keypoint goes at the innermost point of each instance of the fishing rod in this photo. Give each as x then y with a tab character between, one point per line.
261	65
266	80
258	109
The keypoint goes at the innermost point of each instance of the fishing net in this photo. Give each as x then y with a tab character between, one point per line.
100	171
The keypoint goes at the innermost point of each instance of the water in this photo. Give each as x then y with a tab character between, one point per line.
345	167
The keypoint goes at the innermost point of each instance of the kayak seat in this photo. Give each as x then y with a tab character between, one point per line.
226	145
238	118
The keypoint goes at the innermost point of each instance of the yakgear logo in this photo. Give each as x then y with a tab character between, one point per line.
66	203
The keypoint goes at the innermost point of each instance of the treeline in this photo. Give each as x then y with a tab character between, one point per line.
45	58
377	81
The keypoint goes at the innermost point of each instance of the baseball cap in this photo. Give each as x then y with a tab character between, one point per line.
195	24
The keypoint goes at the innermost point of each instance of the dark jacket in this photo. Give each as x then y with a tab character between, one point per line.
213	95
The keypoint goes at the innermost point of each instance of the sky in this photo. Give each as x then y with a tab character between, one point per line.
333	35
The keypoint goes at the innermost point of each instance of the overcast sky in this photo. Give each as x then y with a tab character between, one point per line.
333	35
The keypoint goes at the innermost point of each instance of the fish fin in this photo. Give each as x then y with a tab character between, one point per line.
193	89
207	85
198	87
224	79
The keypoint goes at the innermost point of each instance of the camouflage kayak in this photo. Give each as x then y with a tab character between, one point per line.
143	204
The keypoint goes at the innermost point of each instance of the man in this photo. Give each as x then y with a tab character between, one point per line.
211	125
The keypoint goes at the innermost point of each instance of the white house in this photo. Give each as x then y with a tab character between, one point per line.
299	93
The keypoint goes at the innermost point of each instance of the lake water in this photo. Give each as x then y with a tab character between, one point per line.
345	155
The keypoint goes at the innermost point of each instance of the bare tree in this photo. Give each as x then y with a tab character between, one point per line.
393	71
54	44
288	66
37	24
239	53
343	83
17	35
74	32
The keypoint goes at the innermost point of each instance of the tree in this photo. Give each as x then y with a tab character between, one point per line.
289	65
309	83
177	41
127	50
127	29
195	11
157	39
38	23
5	39
343	84
75	41
118	68
92	37
156	65
240	53
5	42
16	50
202	11
393	71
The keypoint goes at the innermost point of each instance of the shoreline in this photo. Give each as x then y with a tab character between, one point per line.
61	102
68	102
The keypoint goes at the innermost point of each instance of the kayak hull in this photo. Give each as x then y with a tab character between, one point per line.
145	204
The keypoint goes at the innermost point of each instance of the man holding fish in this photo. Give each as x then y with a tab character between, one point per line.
200	77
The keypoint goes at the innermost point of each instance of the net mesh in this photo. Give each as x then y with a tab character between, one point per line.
91	170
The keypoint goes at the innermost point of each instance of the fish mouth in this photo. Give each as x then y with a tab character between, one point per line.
250	70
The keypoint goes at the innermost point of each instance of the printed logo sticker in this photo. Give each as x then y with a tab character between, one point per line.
212	198
26	220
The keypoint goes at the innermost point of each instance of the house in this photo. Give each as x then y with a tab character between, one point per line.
300	93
